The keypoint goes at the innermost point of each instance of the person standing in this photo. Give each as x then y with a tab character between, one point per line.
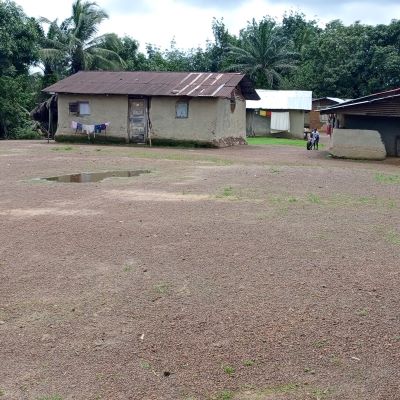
315	139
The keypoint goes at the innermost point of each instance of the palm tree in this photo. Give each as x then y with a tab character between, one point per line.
263	53
74	44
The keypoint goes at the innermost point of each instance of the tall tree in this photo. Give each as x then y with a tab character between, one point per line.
263	53
19	40
75	44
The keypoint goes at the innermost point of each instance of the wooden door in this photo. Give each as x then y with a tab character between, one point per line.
137	120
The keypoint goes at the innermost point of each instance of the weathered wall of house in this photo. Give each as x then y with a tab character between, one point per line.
357	144
209	120
231	123
389	128
257	125
201	123
112	109
296	123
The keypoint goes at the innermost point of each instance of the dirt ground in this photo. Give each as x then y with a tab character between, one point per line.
246	273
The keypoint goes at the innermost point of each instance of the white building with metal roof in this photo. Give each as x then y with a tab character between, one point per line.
278	111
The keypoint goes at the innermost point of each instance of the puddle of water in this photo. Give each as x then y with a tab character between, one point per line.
87	177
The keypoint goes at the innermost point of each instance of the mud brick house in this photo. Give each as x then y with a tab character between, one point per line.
367	127
140	107
314	119
277	111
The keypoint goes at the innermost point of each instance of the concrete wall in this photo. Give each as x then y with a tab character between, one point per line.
297	123
388	127
357	144
201	123
257	125
231	123
113	109
209	119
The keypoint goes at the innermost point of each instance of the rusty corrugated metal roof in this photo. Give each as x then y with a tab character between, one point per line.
193	84
377	104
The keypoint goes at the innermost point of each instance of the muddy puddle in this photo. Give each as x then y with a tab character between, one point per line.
87	177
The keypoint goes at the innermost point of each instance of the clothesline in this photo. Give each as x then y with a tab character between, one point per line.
90	128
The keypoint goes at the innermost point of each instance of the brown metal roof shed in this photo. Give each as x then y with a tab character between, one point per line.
191	84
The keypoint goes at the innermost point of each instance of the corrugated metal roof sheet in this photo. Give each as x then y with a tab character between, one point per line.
334	99
193	84
365	102
388	106
282	100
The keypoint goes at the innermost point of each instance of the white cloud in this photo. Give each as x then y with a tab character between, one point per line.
189	21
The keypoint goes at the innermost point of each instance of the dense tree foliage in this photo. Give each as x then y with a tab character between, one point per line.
294	53
19	47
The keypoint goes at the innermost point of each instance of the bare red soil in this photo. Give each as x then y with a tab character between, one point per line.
242	273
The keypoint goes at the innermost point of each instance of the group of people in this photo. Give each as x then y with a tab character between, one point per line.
312	139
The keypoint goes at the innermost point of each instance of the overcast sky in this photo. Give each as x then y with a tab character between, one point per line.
189	21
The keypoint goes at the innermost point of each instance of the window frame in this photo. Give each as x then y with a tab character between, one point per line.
178	103
74	108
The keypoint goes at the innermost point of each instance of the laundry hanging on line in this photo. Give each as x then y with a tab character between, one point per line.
90	128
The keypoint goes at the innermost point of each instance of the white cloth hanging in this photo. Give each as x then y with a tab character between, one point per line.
280	121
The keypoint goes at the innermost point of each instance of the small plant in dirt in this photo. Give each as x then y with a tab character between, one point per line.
321	343
388	179
162	288
224	395
314	198
128	268
309	371
363	312
2	392
319	394
229	370
227	192
145	365
248	363
393	237
292	199
64	148
336	360
274	170
54	397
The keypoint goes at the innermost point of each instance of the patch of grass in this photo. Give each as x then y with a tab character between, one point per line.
248	363
145	365
128	268
54	397
2	392
321	393
313	198
393	237
336	360
179	157
229	370
272	141
162	288
292	199
64	148
363	312
227	191
224	395
387	179
274	170
320	343
281	389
